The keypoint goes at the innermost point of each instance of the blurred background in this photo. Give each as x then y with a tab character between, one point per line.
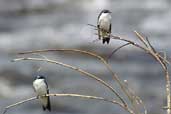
46	24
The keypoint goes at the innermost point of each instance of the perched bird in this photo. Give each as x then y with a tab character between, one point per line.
104	25
41	88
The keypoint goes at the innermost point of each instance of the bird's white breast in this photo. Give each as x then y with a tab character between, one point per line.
40	86
105	21
41	89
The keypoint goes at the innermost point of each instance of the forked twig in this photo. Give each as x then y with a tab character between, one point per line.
164	59
150	45
141	39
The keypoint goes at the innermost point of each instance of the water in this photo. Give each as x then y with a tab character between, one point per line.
30	25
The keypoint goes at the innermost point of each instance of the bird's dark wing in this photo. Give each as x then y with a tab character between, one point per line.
100	14
33	87
48	104
46	82
110	28
98	29
98	26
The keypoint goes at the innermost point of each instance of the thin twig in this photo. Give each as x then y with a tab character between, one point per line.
18	103
150	45
92	25
114	51
94	97
129	41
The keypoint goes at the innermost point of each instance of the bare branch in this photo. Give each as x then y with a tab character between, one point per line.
76	69
72	95
162	62
141	38
116	78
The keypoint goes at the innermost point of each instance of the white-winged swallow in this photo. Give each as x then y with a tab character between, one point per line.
104	25
41	88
